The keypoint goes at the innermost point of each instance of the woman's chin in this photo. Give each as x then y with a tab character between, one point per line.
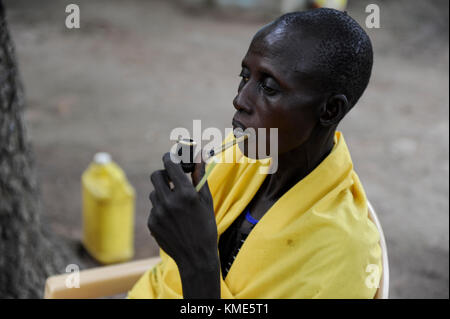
250	150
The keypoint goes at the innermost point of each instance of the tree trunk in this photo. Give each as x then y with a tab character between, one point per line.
28	254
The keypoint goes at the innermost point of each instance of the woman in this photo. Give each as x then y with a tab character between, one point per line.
301	232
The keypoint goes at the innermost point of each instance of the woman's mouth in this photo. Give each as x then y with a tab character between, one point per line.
240	130
236	125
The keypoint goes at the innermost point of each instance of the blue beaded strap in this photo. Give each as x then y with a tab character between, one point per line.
250	219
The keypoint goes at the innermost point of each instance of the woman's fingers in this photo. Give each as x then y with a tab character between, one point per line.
175	172
153	199
161	183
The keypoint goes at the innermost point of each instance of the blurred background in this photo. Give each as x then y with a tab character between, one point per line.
136	69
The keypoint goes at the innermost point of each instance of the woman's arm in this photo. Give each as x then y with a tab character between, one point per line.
201	282
182	221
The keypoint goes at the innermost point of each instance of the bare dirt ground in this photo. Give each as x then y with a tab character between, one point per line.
137	69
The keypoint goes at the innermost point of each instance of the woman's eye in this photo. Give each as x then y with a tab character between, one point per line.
269	86
244	77
268	90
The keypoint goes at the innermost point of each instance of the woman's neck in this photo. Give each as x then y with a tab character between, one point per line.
297	163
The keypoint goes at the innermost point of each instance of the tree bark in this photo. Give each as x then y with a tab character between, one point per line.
28	253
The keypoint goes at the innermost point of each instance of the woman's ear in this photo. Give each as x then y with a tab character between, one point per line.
334	110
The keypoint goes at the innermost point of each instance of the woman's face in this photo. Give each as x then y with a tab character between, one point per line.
275	93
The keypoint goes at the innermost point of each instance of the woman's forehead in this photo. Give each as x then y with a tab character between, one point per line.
269	40
275	49
290	48
288	55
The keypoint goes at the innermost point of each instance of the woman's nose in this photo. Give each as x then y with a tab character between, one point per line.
241	100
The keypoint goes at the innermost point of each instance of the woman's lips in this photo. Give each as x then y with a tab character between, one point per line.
239	129
236	124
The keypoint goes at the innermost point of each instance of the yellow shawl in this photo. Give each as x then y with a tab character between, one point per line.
316	241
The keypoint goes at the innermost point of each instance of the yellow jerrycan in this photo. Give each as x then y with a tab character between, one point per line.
108	211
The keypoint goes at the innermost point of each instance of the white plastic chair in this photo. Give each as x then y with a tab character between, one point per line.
383	289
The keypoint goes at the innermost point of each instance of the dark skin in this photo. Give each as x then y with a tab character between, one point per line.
275	91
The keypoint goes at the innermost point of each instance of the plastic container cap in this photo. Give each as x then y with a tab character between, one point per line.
102	158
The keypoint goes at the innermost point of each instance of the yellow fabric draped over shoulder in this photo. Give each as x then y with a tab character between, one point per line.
316	241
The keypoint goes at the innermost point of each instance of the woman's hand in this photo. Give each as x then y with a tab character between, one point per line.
183	223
